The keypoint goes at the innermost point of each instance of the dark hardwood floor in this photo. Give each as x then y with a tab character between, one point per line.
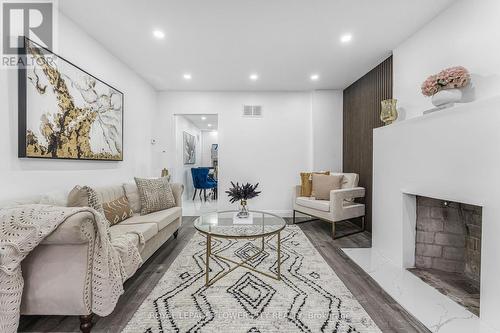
387	314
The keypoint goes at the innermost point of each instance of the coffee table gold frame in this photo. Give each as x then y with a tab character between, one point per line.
243	263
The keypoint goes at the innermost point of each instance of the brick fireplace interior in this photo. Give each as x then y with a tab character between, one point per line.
448	249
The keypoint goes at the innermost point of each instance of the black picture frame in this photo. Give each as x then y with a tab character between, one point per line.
23	104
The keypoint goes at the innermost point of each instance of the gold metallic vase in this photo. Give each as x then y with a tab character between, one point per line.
389	112
164	172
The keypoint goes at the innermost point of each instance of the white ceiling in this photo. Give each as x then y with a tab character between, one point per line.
196	120
221	42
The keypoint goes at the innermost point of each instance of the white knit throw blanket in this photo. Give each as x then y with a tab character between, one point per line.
22	228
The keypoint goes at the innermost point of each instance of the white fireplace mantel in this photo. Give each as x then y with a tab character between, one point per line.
453	154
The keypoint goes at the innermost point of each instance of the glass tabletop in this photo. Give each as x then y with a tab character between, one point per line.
227	224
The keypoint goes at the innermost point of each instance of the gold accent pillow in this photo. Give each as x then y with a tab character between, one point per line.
117	210
306	182
323	184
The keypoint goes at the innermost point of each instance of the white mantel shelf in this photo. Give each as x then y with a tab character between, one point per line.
451	111
452	154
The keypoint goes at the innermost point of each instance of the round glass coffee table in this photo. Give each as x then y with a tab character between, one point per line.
226	224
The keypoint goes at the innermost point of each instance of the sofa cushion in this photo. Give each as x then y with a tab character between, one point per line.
323	205
109	193
133	237
132	194
155	193
162	218
323	184
117	210
84	196
306	182
148	230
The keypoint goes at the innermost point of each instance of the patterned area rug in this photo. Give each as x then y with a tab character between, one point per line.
309	298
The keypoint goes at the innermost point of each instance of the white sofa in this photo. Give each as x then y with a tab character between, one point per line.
55	272
340	207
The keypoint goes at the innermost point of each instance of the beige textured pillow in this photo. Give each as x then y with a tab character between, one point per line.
323	184
117	210
84	196
306	182
132	194
156	194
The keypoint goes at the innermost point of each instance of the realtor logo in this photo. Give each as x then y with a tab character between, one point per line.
31	19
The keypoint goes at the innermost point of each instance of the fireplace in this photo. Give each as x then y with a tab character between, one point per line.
448	249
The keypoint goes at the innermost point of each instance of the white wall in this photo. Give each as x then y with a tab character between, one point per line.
327	112
208	138
27	176
465	34
451	155
271	151
181	173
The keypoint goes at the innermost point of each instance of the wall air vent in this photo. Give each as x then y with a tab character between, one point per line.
252	111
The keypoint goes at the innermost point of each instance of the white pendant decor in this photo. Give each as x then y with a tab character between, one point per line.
447	96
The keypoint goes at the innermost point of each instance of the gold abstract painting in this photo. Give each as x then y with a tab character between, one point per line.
65	112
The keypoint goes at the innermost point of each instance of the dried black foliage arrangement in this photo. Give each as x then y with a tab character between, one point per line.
242	192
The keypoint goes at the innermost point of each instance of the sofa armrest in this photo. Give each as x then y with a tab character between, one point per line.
70	231
177	190
337	197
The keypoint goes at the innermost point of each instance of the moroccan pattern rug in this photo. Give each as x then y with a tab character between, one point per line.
309	297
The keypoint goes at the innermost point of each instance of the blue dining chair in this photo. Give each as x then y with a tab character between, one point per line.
201	181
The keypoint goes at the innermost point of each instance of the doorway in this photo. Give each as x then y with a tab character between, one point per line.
197	161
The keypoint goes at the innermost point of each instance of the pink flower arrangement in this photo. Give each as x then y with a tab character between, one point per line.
449	78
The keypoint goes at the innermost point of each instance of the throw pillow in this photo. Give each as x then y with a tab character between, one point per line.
156	194
117	210
132	194
323	184
306	182
84	196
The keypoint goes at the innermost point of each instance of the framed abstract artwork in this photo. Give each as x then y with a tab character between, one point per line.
189	142
65	112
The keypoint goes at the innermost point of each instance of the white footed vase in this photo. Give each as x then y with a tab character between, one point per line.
447	96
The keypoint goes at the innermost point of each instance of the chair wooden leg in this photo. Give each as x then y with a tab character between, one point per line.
293	221
205	194
194	195
333	230
86	323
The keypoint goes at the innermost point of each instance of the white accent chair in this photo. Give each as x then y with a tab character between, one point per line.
340	207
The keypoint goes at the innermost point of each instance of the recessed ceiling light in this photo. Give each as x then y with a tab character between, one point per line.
187	76
158	34
209	125
254	77
346	38
203	118
314	77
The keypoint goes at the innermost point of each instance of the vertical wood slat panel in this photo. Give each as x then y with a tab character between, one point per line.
361	115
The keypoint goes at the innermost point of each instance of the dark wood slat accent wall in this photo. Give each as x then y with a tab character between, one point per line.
361	116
